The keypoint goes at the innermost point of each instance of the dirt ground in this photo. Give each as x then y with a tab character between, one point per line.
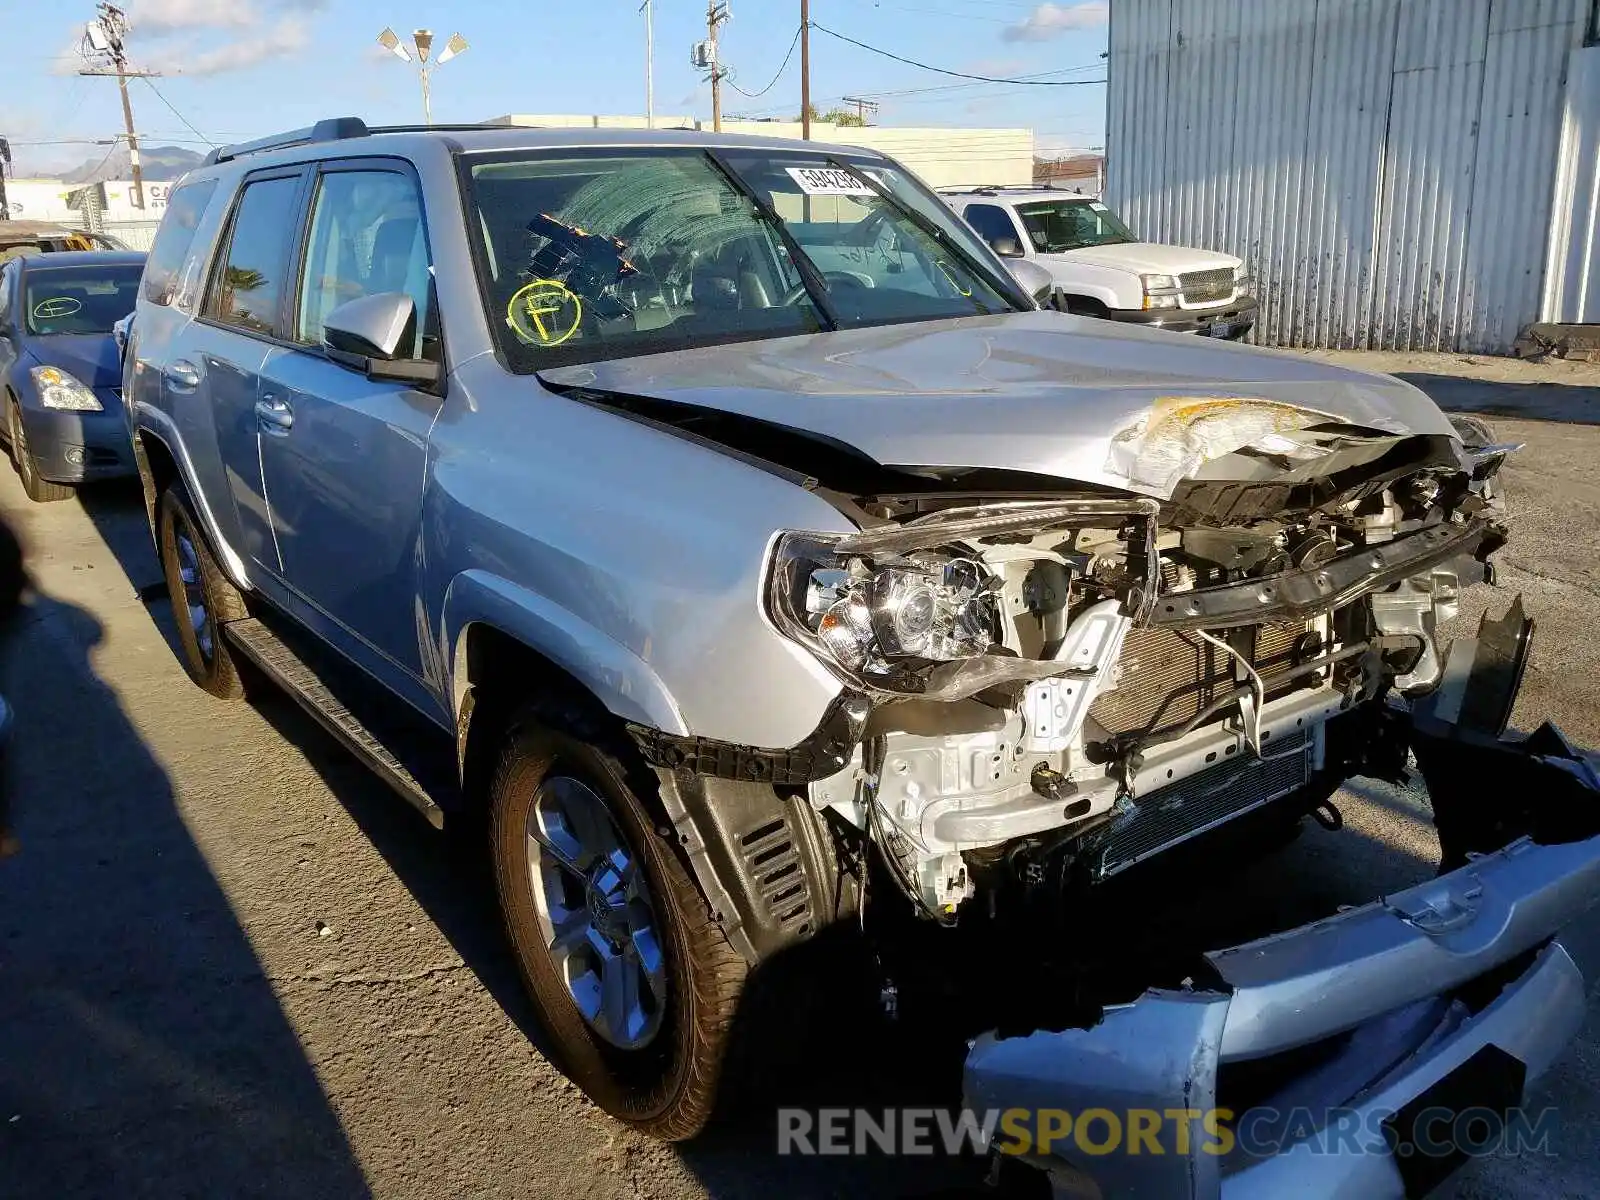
232	964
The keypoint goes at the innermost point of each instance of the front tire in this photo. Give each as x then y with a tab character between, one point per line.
39	490
203	600
634	980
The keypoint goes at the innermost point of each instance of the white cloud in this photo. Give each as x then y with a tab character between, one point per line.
1050	20
289	35
157	18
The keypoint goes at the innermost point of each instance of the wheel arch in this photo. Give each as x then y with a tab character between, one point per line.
161	461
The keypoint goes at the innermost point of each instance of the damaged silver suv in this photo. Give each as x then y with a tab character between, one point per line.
718	516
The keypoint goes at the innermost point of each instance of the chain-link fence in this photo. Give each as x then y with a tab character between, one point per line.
136	235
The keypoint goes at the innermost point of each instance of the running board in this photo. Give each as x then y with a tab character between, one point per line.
278	660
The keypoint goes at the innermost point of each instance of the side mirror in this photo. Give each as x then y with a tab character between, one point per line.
1037	281
366	334
1006	247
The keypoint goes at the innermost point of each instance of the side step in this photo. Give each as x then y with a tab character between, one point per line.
274	656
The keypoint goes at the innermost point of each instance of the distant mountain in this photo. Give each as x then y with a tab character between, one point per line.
159	164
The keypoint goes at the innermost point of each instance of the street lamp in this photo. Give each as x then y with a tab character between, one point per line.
423	39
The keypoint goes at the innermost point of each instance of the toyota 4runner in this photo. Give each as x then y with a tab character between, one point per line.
719	517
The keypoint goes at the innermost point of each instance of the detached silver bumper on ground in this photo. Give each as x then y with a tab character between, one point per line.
1362	1056
1382	978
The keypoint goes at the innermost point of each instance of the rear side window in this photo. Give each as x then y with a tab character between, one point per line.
248	284
992	222
185	207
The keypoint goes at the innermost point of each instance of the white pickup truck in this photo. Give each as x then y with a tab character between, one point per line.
1101	269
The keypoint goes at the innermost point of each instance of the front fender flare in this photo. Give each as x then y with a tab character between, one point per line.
616	676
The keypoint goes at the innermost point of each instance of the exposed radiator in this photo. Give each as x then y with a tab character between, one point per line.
1165	677
1179	811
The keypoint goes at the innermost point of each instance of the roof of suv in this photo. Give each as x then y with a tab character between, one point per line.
353	136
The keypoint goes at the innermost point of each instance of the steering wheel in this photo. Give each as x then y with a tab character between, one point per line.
843	279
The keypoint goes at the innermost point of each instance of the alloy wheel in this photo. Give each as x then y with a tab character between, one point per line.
596	913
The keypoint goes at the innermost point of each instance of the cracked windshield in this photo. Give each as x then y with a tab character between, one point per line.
590	257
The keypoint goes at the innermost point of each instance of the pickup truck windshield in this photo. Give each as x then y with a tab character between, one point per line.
588	256
1058	225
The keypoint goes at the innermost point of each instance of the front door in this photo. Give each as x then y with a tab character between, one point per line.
344	464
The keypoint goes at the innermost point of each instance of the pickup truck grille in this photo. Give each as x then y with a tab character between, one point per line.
1165	677
1207	287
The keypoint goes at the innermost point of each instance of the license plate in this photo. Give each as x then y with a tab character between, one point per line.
1220	329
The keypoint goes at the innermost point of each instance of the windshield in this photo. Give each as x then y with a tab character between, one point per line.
611	253
1057	225
79	299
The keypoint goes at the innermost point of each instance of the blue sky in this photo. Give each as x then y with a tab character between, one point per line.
245	68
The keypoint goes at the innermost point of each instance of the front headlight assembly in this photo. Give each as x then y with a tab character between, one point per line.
59	390
895	625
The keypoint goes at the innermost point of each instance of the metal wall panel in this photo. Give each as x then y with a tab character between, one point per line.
1572	277
1386	166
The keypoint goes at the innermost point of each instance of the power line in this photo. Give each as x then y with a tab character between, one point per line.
176	113
783	67
957	74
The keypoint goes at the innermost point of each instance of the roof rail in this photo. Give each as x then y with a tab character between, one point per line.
331	129
335	129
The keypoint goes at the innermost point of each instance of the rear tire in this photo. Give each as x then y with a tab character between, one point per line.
663	1082
203	600
41	491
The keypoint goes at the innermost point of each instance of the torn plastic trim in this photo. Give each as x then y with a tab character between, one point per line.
991	520
1309	592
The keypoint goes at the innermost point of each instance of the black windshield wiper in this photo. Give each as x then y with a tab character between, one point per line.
816	287
931	229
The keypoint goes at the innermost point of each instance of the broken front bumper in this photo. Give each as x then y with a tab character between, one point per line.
1350	1057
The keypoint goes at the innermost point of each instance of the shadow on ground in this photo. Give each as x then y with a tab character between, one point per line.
142	1051
1565	402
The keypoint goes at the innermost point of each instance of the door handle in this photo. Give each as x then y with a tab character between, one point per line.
275	415
182	376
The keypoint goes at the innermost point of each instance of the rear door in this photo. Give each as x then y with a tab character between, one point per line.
243	315
344	461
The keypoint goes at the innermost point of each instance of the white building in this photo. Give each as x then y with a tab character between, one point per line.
941	156
1410	174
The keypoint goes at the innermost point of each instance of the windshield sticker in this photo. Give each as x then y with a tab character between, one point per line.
52	307
828	181
1097	206
545	312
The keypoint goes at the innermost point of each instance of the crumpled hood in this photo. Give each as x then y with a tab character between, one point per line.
1041	392
90	358
1149	258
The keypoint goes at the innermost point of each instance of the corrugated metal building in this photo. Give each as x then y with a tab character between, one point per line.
1400	174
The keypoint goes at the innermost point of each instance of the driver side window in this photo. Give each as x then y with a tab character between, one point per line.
367	237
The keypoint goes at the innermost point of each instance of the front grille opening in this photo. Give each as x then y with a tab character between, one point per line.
1207	287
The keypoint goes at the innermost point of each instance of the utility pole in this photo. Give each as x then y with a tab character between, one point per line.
716	14
106	36
805	69
649	64
863	107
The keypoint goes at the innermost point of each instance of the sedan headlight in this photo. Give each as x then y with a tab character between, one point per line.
59	390
878	624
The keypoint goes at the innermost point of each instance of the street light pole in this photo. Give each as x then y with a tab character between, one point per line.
423	40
